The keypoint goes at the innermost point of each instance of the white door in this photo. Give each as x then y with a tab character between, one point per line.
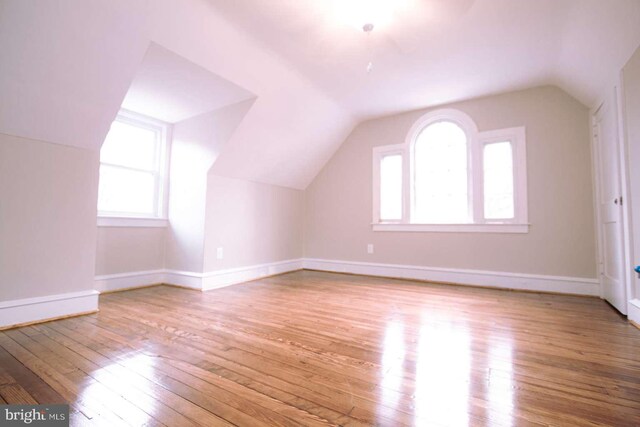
607	150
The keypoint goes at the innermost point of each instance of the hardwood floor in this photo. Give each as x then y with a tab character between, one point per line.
311	348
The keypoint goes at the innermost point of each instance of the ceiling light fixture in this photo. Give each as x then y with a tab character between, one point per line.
368	28
364	15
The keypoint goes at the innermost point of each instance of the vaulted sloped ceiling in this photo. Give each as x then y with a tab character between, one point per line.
66	65
170	88
430	52
292	128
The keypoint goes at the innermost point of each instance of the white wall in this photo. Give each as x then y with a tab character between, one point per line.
191	156
254	223
196	145
48	197
128	249
561	240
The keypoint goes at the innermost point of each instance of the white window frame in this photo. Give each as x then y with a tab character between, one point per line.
161	193
475	150
378	154
517	137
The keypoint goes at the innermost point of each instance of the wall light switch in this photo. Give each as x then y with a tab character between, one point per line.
370	248
219	253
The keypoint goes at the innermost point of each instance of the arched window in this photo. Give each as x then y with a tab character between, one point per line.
440	175
447	176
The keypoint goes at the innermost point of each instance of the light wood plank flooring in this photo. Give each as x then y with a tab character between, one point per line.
311	349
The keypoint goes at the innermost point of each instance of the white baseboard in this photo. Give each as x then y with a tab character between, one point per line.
221	278
186	279
114	282
494	279
232	276
633	311
54	306
32	310
200	281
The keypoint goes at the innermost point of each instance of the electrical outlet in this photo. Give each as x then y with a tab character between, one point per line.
370	248
219	253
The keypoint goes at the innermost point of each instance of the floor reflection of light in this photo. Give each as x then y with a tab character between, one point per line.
500	383
442	375
114	386
392	368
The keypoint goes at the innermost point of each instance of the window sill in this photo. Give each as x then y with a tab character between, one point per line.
453	228
114	221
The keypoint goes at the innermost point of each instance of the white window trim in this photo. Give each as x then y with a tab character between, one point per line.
476	140
378	154
517	137
452	228
112	221
161	195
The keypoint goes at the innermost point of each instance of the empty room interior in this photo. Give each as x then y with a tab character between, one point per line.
320	212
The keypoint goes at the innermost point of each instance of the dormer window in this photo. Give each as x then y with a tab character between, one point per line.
133	168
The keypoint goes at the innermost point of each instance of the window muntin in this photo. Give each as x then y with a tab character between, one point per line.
440	178
448	194
133	168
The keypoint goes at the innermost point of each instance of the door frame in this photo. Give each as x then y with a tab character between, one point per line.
623	157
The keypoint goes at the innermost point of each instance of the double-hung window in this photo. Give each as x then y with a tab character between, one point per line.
133	171
447	176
